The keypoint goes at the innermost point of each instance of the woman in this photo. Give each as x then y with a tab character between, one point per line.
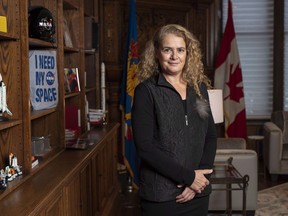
173	127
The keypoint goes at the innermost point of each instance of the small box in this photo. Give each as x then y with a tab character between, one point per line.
40	145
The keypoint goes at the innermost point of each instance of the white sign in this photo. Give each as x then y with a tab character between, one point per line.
43	79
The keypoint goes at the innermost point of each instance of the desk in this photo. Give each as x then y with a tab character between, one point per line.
226	174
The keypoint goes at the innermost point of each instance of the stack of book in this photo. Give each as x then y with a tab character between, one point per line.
70	135
73	140
96	116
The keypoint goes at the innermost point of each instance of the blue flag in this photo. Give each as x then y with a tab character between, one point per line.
129	82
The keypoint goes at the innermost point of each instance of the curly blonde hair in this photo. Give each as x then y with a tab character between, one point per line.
193	70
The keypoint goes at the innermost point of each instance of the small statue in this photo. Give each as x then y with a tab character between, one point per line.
13	163
9	174
3	182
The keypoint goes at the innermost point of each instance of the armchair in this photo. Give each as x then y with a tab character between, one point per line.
275	144
245	161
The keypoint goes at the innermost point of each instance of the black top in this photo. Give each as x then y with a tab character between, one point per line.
172	140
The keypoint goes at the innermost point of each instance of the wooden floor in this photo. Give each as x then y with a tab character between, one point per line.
130	206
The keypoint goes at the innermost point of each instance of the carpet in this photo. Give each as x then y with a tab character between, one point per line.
273	201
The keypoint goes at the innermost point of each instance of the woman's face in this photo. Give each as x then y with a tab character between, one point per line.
172	54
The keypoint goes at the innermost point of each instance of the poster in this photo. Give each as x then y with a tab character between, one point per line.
43	79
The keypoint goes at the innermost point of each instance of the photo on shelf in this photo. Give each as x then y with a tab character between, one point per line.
67	35
71	78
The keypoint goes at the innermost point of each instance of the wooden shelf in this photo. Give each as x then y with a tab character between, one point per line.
16	133
9	124
71	50
67	5
90	52
89	89
40	113
33	42
5	36
70	95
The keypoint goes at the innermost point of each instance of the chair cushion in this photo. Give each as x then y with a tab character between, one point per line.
231	143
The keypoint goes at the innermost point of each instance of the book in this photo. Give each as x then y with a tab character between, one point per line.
96	116
72	120
71	78
35	162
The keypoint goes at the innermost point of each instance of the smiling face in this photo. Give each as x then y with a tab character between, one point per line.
172	54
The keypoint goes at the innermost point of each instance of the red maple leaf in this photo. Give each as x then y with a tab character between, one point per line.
236	92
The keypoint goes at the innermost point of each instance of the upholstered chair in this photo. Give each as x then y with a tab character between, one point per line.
275	145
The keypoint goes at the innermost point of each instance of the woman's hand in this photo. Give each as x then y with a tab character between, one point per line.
187	195
200	181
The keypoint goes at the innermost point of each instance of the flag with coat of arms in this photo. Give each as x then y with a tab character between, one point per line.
129	82
228	77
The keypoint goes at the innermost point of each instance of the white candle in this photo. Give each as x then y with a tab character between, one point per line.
102	74
79	118
103	95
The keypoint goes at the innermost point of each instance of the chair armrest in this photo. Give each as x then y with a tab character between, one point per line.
231	143
246	162
272	146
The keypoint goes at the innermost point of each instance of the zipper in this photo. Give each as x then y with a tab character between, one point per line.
185	110
186	120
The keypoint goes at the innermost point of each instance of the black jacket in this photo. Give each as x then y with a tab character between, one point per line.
172	140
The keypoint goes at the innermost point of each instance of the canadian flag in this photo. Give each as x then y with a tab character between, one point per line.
228	77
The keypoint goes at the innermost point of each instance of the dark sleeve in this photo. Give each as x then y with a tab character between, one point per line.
208	156
143	117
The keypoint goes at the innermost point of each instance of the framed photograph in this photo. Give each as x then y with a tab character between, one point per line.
71	77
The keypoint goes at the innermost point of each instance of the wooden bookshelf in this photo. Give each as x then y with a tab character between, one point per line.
65	192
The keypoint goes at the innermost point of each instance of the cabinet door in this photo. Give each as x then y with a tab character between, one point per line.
102	178
53	207
72	197
111	164
95	184
86	190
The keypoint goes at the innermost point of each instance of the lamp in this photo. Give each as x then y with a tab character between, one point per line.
216	104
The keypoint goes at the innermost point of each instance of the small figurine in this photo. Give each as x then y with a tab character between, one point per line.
3	182
14	165
8	173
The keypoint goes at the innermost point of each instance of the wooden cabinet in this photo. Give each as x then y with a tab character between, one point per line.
75	182
85	187
53	207
11	136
